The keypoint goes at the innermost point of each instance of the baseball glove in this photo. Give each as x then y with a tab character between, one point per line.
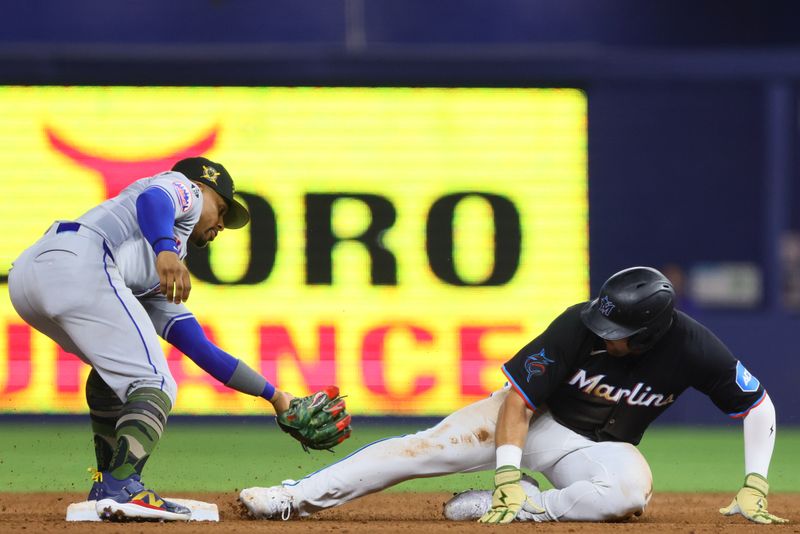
319	421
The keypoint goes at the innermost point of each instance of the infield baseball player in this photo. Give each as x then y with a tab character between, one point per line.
579	398
107	284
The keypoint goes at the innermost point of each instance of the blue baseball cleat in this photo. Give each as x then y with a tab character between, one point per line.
129	500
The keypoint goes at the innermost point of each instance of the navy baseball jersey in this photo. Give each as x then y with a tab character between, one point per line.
612	398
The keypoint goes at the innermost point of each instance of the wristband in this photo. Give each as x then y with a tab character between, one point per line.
756	482
269	391
509	455
165	243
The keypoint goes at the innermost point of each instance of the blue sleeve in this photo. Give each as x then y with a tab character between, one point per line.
155	213
188	336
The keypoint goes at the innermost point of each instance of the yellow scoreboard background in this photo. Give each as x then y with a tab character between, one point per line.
486	236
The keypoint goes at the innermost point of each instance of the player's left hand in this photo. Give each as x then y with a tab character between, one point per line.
319	421
751	501
280	401
508	497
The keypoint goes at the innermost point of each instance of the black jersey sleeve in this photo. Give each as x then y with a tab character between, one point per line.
717	373
543	364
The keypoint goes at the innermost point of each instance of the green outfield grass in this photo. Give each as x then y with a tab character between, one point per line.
224	457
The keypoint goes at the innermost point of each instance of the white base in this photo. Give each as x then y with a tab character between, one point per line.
201	511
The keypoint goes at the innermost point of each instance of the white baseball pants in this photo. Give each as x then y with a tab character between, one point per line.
593	481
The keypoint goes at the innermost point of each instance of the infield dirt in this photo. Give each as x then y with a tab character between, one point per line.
395	512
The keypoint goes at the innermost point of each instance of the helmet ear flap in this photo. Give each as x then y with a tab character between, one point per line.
646	339
641	342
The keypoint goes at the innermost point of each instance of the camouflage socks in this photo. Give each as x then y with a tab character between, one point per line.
139	427
125	434
104	410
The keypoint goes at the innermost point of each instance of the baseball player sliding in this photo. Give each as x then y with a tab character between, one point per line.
578	400
106	285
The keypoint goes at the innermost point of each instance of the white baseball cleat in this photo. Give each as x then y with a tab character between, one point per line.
470	505
267	503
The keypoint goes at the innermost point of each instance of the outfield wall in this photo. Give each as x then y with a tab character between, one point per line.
691	160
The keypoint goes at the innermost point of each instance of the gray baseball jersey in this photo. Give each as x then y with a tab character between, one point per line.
91	286
115	220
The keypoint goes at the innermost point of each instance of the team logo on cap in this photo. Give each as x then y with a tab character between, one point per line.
606	306
536	364
210	174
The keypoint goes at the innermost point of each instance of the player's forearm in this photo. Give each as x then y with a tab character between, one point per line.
759	437
188	336
511	430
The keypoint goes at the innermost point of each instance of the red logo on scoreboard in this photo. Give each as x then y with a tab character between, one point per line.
118	174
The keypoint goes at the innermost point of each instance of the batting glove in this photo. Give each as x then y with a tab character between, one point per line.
508	497
751	501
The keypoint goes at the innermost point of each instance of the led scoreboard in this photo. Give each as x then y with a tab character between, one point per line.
404	242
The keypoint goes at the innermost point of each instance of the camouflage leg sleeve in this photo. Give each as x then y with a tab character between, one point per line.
139	428
104	410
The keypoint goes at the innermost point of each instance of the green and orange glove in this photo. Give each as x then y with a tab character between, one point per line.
508	497
319	421
751	501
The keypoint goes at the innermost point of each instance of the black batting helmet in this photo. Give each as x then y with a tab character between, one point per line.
636	303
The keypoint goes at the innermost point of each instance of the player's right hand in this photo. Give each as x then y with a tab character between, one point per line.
751	501
173	276
508	497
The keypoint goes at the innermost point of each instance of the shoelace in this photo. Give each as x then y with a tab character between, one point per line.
133	488
286	513
96	475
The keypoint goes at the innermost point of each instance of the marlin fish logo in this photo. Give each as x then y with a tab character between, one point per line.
536	364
